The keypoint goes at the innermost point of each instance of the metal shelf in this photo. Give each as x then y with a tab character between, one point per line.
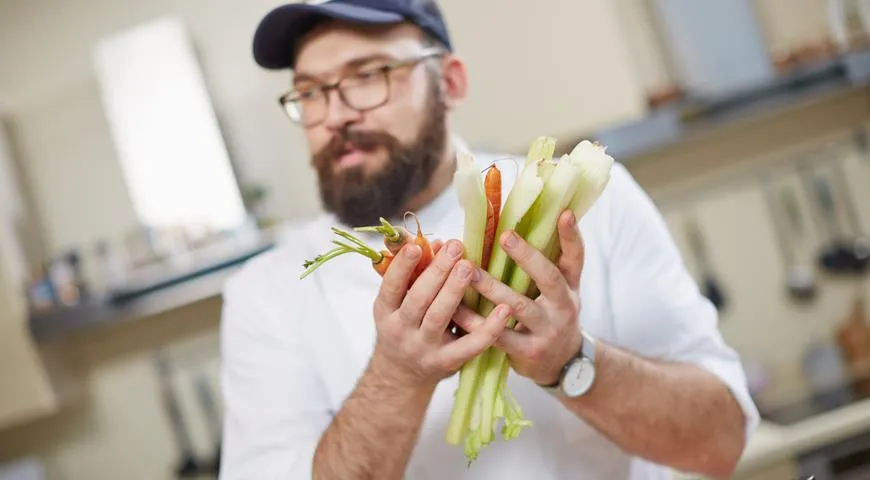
667	126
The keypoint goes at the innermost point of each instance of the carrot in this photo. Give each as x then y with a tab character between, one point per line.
381	266
394	237
492	188
425	247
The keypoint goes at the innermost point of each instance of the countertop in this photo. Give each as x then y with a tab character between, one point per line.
185	288
773	443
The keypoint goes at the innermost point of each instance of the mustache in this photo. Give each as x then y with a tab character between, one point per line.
354	139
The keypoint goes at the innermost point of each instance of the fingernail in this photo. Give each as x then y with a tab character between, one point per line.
454	250
477	275
413	252
572	220
511	240
464	271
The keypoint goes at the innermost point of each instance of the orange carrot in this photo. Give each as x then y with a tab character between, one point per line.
394	239
492	188
394	243
381	266
425	246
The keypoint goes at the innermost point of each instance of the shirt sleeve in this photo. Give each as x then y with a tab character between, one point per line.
275	407
658	307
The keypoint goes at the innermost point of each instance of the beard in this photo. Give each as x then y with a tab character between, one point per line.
359	198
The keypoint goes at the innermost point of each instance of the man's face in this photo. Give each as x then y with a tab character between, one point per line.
370	163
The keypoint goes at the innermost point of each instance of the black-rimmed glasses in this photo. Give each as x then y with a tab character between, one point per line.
363	90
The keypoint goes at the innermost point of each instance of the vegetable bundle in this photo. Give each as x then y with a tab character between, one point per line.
544	189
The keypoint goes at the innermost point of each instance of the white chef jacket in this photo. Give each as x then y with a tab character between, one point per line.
292	350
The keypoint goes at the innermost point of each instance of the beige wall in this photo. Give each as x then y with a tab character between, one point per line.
715	177
63	138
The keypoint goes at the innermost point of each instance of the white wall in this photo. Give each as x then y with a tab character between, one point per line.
61	131
554	84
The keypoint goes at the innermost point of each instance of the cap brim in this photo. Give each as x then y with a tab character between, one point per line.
279	31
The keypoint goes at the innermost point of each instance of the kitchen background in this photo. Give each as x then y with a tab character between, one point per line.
745	120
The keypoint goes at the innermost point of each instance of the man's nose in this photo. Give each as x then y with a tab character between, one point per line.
338	113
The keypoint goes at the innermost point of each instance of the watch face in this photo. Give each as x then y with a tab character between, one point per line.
578	378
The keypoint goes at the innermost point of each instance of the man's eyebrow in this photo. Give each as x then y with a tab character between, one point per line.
355	63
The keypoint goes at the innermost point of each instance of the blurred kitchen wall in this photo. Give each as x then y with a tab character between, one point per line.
60	128
65	148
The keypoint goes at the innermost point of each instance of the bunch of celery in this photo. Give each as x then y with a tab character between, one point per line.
544	189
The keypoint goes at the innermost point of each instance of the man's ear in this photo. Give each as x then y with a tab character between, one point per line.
454	80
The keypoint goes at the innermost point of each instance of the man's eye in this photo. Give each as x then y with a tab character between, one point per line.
307	94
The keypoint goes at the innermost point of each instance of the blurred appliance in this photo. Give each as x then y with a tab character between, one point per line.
717	46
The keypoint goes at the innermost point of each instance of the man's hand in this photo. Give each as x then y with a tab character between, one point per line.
548	335
672	413
375	431
414	346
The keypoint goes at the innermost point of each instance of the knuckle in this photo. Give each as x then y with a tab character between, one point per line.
446	364
492	335
524	253
443	263
521	306
552	276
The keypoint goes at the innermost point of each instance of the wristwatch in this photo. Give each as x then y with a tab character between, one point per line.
578	374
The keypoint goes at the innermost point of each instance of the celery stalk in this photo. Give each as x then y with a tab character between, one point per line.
542	191
595	166
558	194
468	182
521	197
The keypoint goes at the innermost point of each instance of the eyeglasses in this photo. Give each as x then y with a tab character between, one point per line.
363	90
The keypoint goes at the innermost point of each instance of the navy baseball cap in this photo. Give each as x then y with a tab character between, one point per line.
281	29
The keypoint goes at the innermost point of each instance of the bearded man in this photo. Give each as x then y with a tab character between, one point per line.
347	375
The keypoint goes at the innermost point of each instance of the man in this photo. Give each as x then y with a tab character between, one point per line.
346	375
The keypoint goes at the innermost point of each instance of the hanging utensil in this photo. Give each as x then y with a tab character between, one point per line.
861	244
836	256
710	285
800	280
206	399
188	466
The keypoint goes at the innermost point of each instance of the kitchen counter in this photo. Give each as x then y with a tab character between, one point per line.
185	288
773	443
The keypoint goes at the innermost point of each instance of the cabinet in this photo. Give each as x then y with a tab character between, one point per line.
793	25
26	391
548	67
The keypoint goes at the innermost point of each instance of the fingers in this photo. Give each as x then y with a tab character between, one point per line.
467	319
524	309
573	251
547	276
441	310
427	285
453	355
436	245
514	342
395	282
